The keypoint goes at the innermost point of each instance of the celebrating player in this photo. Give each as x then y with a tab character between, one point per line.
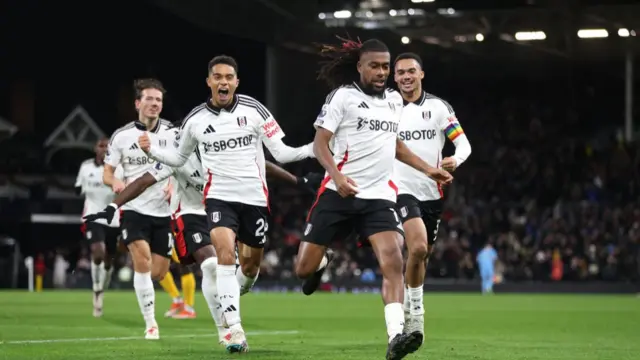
229	130
101	236
425	124
362	116
145	228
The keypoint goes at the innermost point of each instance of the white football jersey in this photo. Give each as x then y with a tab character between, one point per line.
229	141
187	196
124	150
97	195
365	131
424	128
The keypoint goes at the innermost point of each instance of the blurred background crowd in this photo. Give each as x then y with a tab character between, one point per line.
553	182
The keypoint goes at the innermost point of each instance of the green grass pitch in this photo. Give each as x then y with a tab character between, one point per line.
59	325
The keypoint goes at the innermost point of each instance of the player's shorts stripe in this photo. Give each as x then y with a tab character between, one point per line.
325	181
126	127
181	244
195	110
264	113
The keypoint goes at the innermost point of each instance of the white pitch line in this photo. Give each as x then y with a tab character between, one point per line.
124	338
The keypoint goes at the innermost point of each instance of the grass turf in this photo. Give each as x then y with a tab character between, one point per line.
59	325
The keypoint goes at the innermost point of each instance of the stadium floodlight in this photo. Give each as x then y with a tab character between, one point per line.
623	32
342	14
530	35
479	37
592	33
405	40
422	1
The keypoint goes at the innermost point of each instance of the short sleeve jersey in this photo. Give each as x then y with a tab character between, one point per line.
188	185
365	131
124	150
229	141
424	128
97	195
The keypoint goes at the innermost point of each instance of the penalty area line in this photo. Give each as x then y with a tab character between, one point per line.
141	337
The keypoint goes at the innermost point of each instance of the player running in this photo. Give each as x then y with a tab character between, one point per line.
229	130
361	115
193	243
425	124
145	227
102	236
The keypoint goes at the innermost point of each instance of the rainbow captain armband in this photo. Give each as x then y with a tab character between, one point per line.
453	130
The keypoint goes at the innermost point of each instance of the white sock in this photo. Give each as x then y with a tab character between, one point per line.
210	292
229	293
107	278
323	263
394	317
146	295
246	283
97	276
406	304
417	303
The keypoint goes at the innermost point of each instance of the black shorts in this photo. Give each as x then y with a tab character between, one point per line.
94	233
334	218
430	211
152	229
249	222
191	236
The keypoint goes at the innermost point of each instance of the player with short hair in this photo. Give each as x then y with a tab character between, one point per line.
145	224
229	130
102	237
427	121
362	116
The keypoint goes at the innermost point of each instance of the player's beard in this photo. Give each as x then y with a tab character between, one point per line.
149	122
373	90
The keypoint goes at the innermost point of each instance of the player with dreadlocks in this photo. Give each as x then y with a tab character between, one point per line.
361	115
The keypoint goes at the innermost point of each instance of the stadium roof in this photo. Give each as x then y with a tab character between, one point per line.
481	28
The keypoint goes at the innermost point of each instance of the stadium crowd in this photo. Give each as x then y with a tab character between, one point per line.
557	200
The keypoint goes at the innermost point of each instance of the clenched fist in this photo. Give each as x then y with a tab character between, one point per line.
144	142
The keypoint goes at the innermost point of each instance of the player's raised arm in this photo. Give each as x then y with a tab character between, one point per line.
271	135
184	144
403	154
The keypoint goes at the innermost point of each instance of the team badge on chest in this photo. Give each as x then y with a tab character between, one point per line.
242	121
426	115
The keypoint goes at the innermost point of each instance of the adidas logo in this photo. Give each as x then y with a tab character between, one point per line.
230	309
134	146
363	105
209	130
196	174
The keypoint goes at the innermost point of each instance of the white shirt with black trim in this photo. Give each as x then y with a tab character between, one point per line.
365	131
97	195
424	128
230	141
188	185
124	150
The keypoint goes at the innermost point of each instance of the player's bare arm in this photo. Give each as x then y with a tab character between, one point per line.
172	157
110	179
403	154
309	182
345	185
276	172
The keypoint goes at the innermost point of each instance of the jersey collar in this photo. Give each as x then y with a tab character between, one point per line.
229	108
365	91
419	101
140	126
